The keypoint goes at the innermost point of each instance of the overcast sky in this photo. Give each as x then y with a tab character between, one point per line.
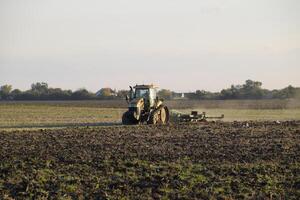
179	45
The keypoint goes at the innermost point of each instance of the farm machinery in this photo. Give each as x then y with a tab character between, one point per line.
194	117
145	106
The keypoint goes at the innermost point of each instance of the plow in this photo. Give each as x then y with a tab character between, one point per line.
194	116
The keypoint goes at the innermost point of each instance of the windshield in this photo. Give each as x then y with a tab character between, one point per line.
142	93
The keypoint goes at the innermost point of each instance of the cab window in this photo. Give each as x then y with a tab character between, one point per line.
142	93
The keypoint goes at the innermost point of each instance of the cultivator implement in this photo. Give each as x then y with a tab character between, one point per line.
195	117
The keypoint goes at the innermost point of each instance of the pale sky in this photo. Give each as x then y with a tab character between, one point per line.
181	45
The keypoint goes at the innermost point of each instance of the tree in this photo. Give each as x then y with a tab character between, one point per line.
226	94
231	93
82	94
288	92
58	94
39	87
39	91
5	91
249	90
249	84
122	93
106	92
15	94
252	90
202	94
166	94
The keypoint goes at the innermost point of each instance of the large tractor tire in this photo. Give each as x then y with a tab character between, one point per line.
128	119
164	115
160	116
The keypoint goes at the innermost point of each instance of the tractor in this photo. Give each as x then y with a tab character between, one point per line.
144	106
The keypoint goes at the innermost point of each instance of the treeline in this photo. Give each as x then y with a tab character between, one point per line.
249	90
41	91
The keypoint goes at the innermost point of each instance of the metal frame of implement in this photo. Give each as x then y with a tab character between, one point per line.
195	117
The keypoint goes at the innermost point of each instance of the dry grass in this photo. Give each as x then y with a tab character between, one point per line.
31	113
174	104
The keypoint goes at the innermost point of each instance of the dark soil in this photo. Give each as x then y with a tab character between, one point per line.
183	161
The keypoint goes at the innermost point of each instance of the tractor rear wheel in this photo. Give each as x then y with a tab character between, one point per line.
159	116
164	115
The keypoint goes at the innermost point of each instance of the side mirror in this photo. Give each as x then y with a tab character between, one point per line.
127	98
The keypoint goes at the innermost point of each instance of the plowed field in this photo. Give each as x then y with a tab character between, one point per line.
180	161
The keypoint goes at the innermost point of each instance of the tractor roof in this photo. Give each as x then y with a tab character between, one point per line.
145	86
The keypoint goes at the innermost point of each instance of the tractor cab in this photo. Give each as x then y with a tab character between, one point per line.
145	92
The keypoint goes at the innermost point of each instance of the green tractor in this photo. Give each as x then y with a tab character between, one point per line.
145	107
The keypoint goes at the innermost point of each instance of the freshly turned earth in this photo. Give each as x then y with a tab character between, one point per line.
177	161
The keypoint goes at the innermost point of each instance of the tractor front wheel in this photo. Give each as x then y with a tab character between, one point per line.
128	119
